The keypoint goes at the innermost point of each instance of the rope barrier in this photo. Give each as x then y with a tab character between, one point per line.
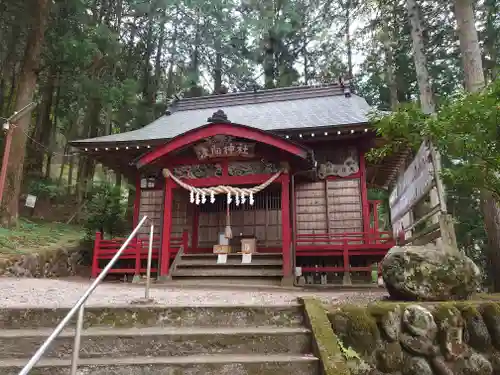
199	195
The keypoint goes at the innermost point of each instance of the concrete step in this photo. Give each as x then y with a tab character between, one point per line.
254	283
158	341
228	271
187	365
232	261
158	316
233	255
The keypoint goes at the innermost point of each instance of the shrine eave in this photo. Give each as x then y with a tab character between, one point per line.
296	134
226	129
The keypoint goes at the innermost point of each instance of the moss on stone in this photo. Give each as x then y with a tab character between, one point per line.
358	329
468	310
326	342
380	309
490	310
447	315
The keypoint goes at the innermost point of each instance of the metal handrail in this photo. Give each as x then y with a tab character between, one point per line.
79	307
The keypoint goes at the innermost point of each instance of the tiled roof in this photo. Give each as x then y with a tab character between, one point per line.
271	110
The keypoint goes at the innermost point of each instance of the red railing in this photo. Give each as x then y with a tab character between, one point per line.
357	243
372	242
137	250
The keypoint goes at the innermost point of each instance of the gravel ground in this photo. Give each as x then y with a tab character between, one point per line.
62	293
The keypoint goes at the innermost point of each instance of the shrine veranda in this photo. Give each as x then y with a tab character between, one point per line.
286	166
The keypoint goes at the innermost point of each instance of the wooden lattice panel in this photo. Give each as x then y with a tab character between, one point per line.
344	206
182	214
151	204
327	207
310	208
262	220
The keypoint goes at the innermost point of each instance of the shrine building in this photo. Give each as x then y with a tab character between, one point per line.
278	173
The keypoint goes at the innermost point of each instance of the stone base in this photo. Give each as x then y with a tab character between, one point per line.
137	279
143	301
164	278
301	281
287	281
346	279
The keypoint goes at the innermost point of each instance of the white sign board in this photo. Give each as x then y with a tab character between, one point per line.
30	201
222	259
246	258
413	185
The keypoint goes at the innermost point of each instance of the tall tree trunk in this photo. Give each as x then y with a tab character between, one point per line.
424	85
194	65
42	134
64	161
171	63
159	49
218	66
26	89
474	81
388	42
469	46
70	173
87	166
269	63
348	38
491	38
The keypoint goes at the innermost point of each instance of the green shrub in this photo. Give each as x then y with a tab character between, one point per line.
105	211
46	188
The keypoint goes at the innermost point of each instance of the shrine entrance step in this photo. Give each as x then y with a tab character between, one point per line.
164	339
264	268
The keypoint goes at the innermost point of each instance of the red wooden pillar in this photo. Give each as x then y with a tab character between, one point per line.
95	255
167	228
375	216
364	196
286	235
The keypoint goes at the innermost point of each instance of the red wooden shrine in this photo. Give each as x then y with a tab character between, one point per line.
316	212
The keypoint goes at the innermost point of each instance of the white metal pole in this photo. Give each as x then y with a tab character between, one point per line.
38	354
78	336
150	257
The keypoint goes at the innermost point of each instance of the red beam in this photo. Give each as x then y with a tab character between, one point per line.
338	253
211	130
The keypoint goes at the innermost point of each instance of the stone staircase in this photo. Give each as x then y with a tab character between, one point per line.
265	269
154	340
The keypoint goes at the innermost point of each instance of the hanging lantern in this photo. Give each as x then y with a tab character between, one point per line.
191	196
212	197
250	200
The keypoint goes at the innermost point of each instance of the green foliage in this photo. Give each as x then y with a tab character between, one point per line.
32	236
465	131
105	211
45	188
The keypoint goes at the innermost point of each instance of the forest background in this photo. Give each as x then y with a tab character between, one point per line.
98	67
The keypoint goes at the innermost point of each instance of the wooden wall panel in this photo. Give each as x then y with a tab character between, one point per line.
310	209
151	204
182	214
344	208
329	206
